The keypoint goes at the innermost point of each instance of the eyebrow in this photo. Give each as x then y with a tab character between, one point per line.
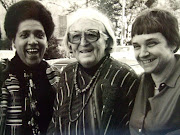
26	31
150	39
39	31
84	30
135	43
75	31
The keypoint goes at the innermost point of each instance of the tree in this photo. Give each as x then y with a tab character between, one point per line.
121	13
54	51
5	44
7	3
175	6
74	5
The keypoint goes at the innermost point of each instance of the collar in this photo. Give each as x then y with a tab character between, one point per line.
16	65
171	81
91	71
18	68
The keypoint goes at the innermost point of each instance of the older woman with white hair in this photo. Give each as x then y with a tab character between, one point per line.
97	92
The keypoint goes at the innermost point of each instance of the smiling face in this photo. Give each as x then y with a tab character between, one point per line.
88	53
152	52
30	42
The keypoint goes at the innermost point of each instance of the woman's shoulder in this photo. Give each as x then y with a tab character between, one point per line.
4	71
51	69
70	67
117	65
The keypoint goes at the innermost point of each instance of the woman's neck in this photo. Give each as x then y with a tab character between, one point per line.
161	77
91	71
18	67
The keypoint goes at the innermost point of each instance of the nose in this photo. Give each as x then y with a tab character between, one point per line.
143	52
32	40
83	41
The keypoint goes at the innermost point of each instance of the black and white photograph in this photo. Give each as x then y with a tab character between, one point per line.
89	67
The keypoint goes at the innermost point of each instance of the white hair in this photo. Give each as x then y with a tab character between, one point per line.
92	14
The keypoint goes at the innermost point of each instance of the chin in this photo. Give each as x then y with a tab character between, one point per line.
87	64
32	64
148	71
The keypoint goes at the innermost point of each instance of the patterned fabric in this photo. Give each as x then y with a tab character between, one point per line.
11	108
108	110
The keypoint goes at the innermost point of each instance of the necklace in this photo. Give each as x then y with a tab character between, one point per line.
32	105
92	83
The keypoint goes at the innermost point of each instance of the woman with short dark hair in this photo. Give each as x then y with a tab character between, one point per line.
155	37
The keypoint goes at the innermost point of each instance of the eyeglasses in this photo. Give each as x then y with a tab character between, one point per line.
90	36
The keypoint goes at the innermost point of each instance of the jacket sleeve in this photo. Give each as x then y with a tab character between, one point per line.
4	96
4	66
54	126
128	86
118	99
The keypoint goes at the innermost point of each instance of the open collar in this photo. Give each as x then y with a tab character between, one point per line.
171	81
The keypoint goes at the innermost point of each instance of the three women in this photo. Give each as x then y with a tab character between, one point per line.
96	93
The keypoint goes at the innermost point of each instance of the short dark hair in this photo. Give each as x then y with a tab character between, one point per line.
27	9
158	20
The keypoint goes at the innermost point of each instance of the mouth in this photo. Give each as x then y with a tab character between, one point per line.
147	61
86	51
33	51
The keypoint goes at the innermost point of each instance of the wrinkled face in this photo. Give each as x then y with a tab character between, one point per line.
87	47
30	42
152	52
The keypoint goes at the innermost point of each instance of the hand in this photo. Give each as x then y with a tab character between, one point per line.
3	65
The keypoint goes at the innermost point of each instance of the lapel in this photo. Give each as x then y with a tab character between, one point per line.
142	105
53	75
10	80
105	99
146	91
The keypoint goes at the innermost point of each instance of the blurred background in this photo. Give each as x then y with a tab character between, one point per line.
121	12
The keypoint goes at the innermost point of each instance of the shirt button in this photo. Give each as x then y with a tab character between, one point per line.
162	86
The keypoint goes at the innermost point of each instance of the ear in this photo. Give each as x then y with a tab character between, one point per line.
13	43
46	45
173	48
69	46
108	42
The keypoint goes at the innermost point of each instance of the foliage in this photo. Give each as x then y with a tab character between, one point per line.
73	7
54	50
175	6
5	44
7	3
114	9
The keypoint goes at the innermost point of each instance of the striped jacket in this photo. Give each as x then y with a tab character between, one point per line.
10	99
112	100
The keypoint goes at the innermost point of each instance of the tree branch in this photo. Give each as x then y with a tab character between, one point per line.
4	5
